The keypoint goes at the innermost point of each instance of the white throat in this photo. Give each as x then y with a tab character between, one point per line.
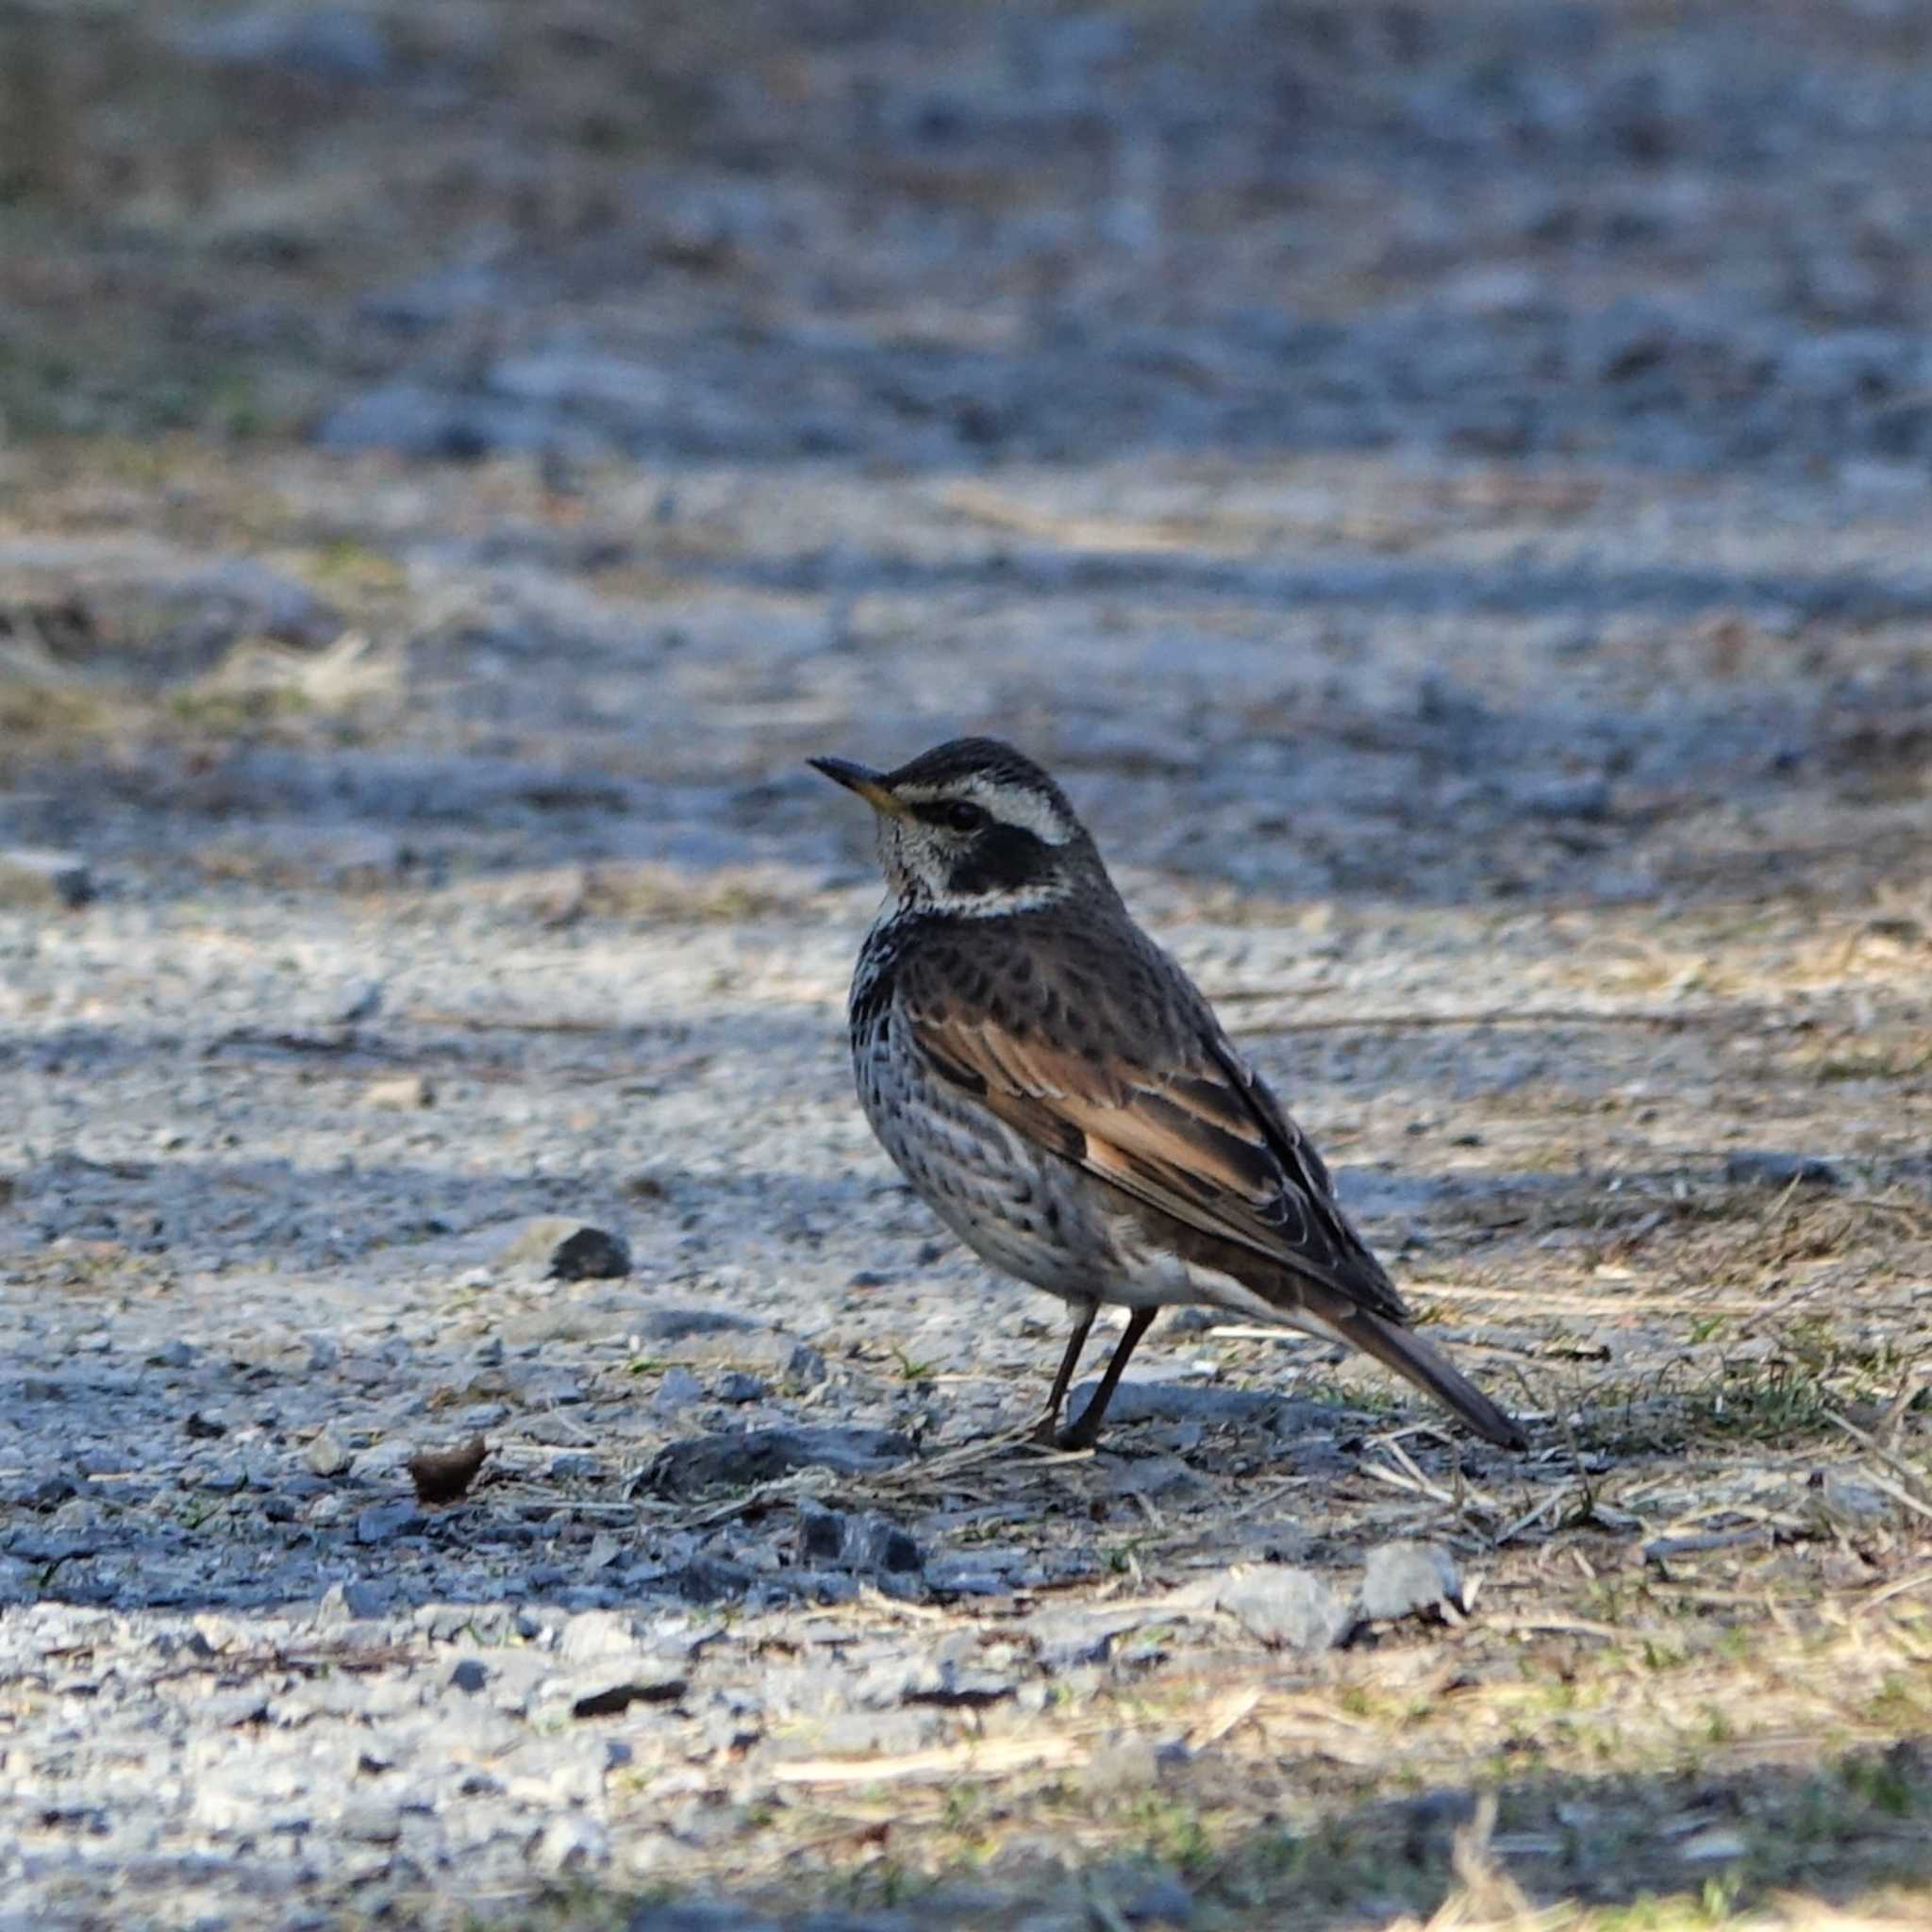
989	904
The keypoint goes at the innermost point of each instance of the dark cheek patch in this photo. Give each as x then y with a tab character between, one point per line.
1002	859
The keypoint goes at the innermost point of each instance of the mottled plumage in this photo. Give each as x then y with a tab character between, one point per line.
1061	1094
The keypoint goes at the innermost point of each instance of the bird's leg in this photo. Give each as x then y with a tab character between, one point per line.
1086	1432
1048	1429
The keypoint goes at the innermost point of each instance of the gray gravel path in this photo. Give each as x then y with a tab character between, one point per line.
1448	491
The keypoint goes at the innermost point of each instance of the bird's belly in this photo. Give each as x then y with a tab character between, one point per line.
1020	1210
1024	1211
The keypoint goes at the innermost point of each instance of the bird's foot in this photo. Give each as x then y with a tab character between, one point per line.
1046	1431
1080	1435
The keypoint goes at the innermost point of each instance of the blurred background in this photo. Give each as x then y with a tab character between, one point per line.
1517	410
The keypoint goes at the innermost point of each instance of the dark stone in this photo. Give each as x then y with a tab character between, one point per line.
387	1519
363	1598
205	1426
740	1457
822	1535
968	1574
893	1550
857	1542
442	1476
1164	1900
952	1689
1207	1404
619	1697
674	1324
678	1390
1585	799
468	1676
33	1548
1762	1168
591	1255
805	1364
711	1580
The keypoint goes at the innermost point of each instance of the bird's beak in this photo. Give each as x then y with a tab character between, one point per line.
870	785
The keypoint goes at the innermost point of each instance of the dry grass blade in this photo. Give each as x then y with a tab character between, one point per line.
1902	1586
337	678
1899	1494
1905	1486
1552	1016
1540	1302
988	1758
1230	1711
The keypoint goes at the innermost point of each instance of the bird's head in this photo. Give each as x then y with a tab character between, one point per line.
973	828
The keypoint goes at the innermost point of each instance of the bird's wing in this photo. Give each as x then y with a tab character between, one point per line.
1144	1092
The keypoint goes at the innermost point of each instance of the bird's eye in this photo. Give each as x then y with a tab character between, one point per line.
962	815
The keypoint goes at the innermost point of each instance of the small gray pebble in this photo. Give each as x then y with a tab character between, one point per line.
361	1001
386	1520
1762	1168
44	878
1854	1500
1584	799
1284	1607
1164	1902
325	1456
363	1598
1403	1579
372	1821
678	1390
1194	1321
677	1325
964	1575
755	1455
805	1364
571	1841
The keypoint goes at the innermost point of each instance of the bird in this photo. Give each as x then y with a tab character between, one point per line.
1061	1096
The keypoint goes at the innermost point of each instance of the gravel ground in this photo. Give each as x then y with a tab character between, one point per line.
1447	488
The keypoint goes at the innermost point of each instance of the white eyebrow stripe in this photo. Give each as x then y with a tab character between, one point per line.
1014	805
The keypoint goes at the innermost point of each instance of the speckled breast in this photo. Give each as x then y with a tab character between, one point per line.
1024	1211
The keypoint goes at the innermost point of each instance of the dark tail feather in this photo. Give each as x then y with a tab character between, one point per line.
1417	1360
